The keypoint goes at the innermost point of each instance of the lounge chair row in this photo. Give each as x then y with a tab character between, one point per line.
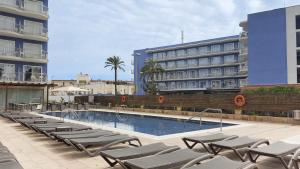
7	159
161	156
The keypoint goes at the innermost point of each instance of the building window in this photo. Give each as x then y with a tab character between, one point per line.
203	62
243	82
163	65
171	65
229	84
180	53
229	46
170	54
298	39
192	62
203	72
7	48
298	75
180	63
229	71
216	60
215	72
180	75
215	48
193	73
192	52
202	84
32	73
298	22
216	84
203	50
32	50
229	59
192	84
7	23
7	72
298	57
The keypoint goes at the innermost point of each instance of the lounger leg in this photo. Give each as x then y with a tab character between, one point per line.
296	165
215	150
239	155
283	162
253	158
188	145
112	164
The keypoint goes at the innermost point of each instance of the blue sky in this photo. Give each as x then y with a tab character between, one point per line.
83	33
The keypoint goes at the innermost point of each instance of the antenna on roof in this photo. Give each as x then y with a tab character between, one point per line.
182	36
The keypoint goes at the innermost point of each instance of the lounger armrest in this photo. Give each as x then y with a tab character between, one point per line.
197	160
260	142
174	148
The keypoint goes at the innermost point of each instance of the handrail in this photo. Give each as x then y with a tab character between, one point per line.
205	110
69	111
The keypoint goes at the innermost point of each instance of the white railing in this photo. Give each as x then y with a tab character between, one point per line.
22	77
30	6
24	54
37	31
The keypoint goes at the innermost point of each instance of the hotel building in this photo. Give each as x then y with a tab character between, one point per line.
23	51
266	52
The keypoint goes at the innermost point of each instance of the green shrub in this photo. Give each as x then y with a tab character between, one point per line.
272	90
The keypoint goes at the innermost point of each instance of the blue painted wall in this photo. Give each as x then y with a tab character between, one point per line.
267	60
139	58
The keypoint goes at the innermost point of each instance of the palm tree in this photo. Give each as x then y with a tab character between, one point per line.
147	74
115	63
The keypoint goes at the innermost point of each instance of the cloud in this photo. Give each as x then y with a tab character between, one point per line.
83	33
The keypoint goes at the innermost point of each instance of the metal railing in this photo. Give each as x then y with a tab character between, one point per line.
20	29
21	53
23	77
19	4
207	110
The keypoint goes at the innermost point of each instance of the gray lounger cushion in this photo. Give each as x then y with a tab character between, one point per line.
208	138
134	152
75	132
220	162
276	149
237	143
99	140
86	135
164	161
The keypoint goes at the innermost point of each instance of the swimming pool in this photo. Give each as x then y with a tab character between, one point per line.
153	125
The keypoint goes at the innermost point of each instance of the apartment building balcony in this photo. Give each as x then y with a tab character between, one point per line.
203	77
244	35
208	53
22	77
244	51
31	9
19	31
235	63
24	56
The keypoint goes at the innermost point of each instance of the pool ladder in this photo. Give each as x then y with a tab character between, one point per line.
69	112
206	110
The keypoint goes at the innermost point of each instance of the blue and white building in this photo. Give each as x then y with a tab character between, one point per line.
23	50
266	52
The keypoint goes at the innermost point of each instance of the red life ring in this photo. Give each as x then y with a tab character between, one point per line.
239	100
161	99
123	99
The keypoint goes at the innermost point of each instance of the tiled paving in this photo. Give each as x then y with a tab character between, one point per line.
35	151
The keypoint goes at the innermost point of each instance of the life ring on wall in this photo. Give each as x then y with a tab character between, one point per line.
161	99
123	99
239	100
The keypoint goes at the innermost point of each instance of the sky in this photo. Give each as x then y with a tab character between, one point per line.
83	33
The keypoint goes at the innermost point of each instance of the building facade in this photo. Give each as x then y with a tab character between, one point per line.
23	50
266	52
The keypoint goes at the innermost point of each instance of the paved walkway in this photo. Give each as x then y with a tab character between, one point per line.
35	151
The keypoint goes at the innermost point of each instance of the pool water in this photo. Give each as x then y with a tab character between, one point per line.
153	125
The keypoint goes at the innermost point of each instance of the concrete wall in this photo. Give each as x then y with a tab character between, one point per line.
291	13
267	48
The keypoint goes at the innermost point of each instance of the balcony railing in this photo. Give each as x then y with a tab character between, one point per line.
24	77
38	11
20	53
